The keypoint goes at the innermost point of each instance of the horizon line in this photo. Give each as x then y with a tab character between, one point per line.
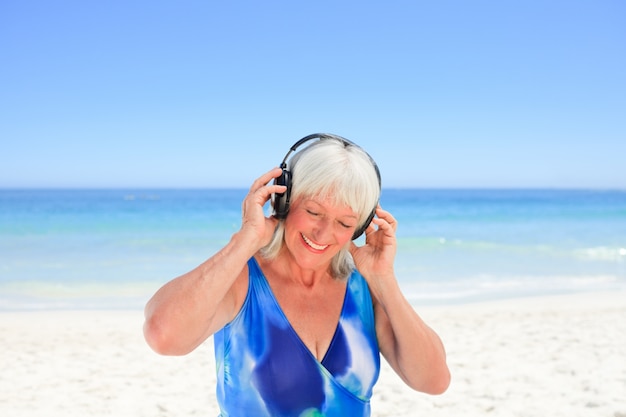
192	188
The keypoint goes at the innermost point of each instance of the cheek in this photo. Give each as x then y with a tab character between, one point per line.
297	222
343	235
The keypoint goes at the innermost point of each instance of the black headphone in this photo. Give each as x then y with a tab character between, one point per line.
281	201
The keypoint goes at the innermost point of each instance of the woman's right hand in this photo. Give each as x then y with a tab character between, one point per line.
190	308
254	225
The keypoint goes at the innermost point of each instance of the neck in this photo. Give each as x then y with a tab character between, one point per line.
307	276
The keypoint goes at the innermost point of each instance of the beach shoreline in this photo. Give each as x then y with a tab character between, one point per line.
552	356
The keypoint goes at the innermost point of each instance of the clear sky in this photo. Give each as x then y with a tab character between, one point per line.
213	93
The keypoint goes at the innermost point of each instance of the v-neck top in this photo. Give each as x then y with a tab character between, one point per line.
265	370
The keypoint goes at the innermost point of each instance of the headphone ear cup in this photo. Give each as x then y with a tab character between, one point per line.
281	200
361	230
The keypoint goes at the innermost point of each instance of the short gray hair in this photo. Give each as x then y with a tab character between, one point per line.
340	172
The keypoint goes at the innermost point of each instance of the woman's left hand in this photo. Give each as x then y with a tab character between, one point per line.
375	259
400	331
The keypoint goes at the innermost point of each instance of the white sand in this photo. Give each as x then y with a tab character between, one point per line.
548	357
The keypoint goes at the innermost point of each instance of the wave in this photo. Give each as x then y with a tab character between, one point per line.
485	288
40	295
566	250
602	253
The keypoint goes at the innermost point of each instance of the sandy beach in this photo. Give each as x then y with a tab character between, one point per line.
548	356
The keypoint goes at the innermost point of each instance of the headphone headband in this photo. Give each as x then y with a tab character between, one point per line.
305	139
281	201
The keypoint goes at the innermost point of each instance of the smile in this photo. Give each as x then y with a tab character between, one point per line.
313	245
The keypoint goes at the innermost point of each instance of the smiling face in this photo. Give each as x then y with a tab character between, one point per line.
334	187
316	230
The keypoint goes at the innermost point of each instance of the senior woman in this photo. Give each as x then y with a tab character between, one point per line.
298	311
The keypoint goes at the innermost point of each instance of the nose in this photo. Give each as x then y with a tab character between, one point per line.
321	230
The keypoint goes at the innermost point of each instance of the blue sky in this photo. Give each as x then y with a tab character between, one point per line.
213	93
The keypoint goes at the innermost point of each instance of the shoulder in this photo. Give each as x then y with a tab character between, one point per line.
237	295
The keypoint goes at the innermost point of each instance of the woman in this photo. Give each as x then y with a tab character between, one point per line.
298	311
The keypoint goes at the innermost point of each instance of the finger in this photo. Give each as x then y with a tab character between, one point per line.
264	194
387	217
370	228
265	178
385	227
382	213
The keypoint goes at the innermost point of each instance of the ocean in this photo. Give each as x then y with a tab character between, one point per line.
111	249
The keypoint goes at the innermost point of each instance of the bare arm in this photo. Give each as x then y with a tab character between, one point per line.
412	348
190	308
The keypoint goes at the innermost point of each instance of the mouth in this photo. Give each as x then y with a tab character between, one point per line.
312	244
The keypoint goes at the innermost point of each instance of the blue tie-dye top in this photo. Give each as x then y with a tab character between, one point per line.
264	369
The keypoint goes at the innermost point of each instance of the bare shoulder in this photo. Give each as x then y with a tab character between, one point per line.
239	291
231	304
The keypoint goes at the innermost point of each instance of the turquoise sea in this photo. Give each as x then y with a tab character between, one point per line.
62	249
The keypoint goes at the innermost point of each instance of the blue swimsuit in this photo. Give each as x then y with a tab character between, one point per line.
264	369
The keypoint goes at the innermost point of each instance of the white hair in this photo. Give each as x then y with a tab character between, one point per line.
343	174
